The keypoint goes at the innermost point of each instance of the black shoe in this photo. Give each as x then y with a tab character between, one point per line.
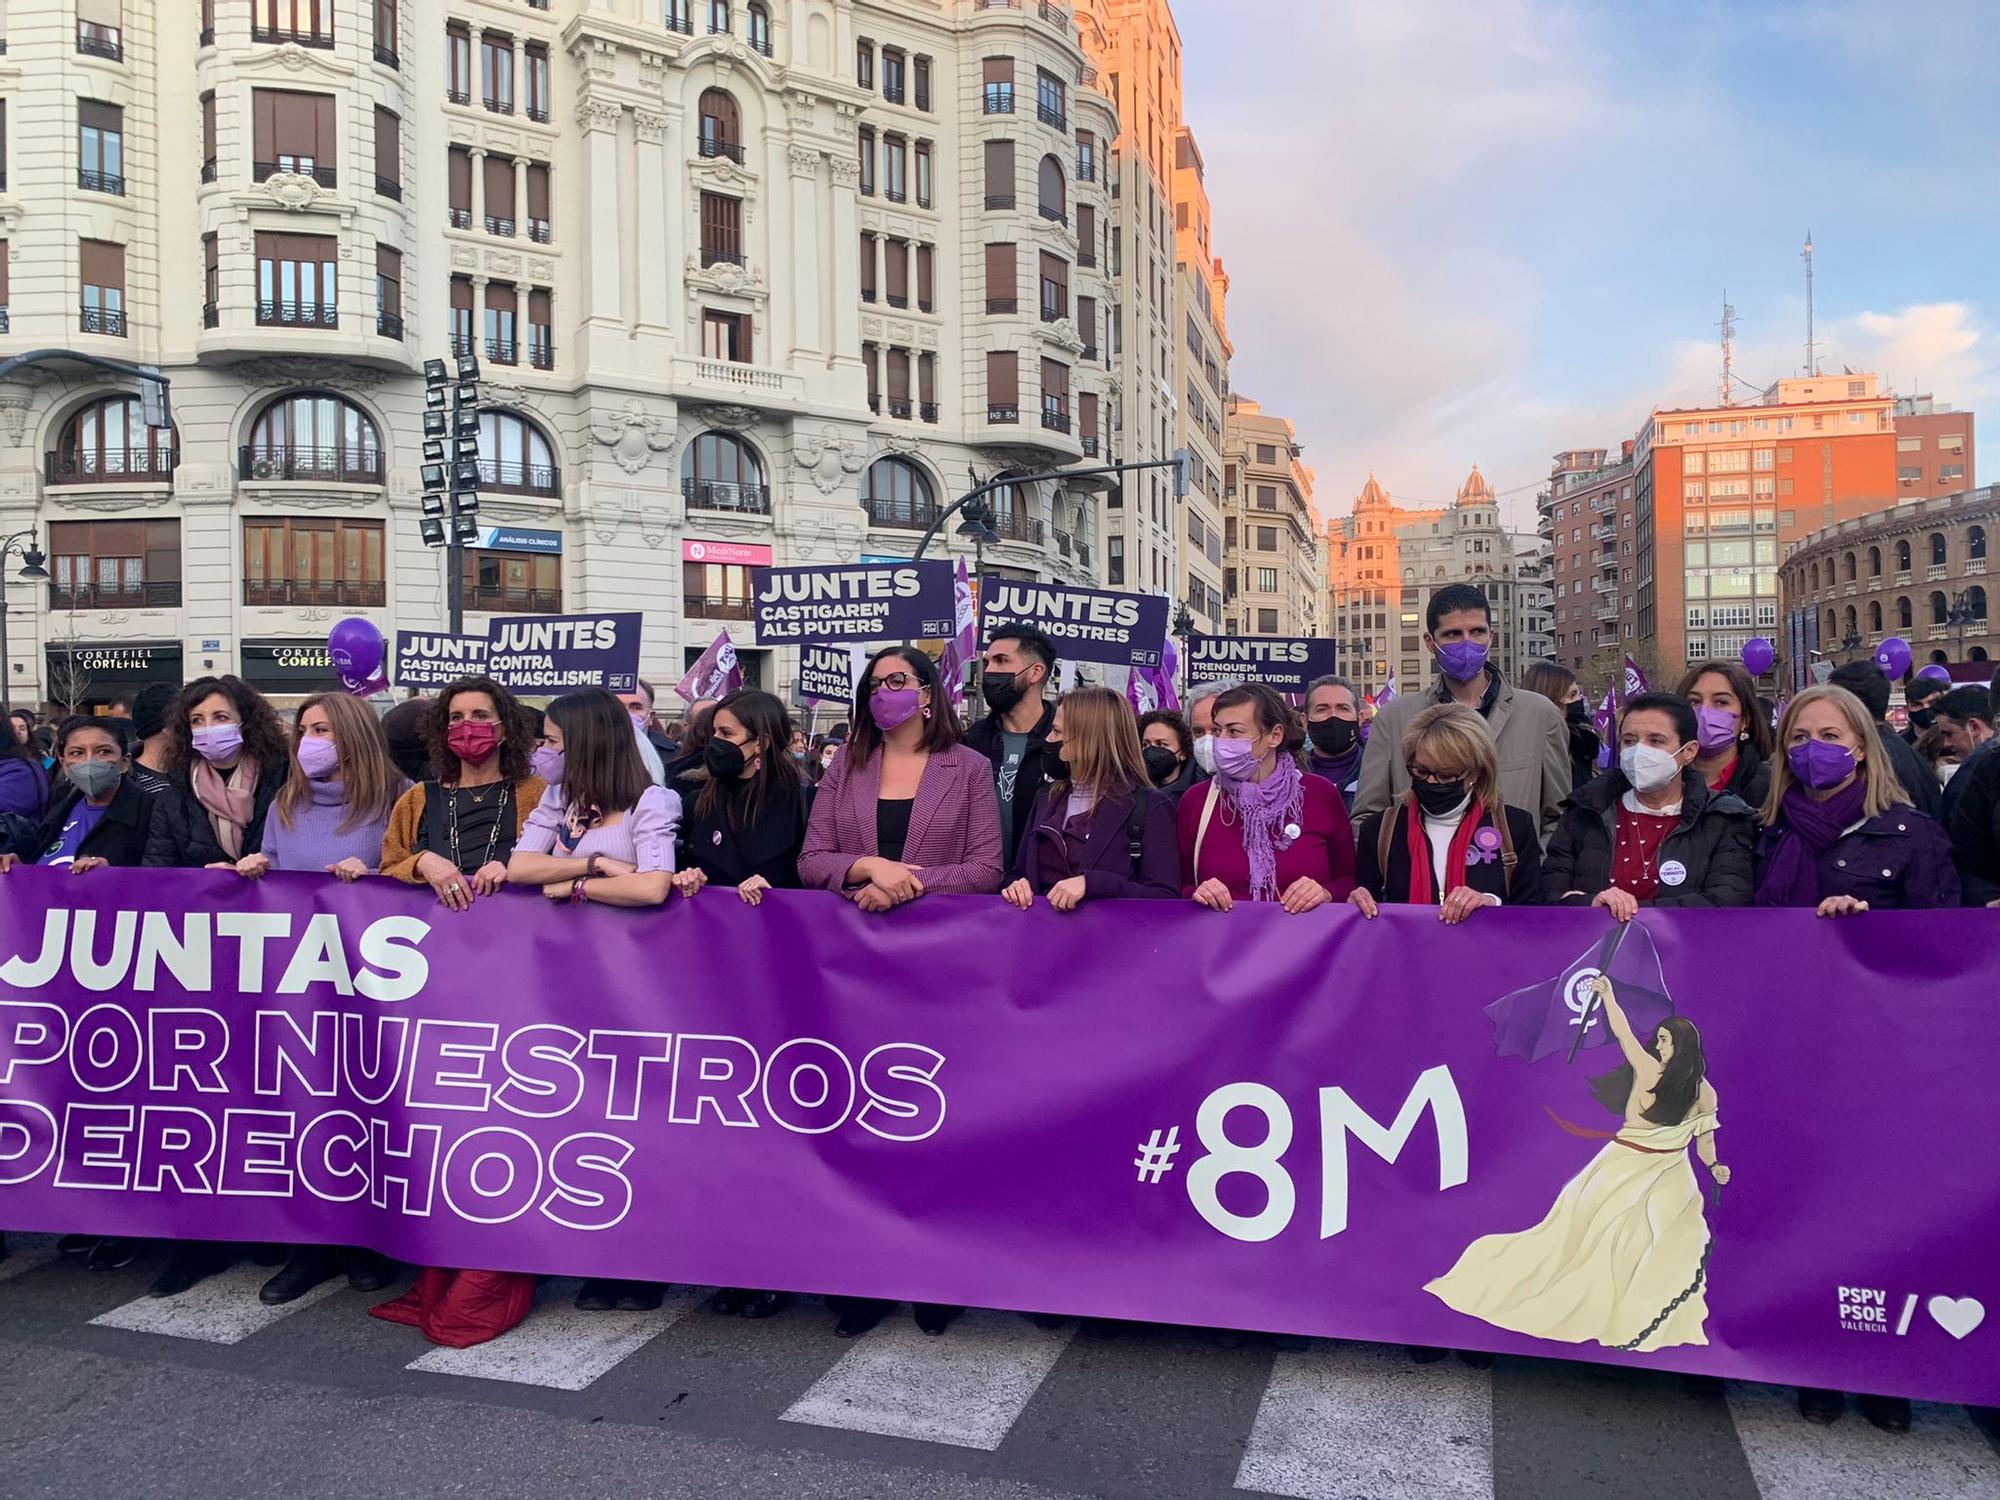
1048	1322
308	1267
757	1306
858	1314
641	1296
1475	1359
1822	1408
728	1302
76	1244
1890	1413
368	1271
191	1262
111	1254
598	1294
1423	1354
934	1317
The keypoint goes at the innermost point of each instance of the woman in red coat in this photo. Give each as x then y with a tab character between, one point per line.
1263	830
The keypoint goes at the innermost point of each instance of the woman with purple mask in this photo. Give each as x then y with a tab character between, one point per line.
1735	736
227	759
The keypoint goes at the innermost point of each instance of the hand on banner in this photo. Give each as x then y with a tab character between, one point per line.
1214	895
8	861
1462	903
253	866
1019	894
88	863
872	897
688	881
1364	903
1621	904
1302	895
221	864
752	890
488	879
442	876
1067	895
348	870
897	881
1841	906
1720	1173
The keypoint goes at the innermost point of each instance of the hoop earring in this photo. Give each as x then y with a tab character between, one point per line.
757	764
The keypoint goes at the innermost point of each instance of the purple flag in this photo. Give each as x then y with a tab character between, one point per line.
1605	722
963	645
1148	688
1545	1017
1635	680
715	674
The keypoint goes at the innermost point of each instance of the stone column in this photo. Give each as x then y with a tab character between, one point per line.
844	281
521	196
478	154
808	310
599	119
660	282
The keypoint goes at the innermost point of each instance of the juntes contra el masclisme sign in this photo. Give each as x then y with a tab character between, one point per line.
562	653
1379	1130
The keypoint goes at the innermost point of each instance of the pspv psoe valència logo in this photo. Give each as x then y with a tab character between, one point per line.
1867	1309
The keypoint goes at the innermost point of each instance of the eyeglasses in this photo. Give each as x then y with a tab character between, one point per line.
895	682
1430	777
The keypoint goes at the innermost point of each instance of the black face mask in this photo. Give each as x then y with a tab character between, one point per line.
1439	797
724	761
1923	718
1001	691
1161	763
1333	737
1577	712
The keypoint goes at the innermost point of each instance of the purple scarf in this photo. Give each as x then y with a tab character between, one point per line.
1266	807
1806	830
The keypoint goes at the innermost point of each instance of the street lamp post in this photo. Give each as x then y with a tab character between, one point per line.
22	545
1961	615
1184	628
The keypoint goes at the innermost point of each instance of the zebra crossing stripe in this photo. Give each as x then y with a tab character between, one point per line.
223	1309
966	1387
1361	1419
1943	1456
558	1347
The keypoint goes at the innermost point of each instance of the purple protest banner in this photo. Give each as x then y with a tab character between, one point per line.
1101	625
436	658
1317	1124
561	653
859	602
1285	663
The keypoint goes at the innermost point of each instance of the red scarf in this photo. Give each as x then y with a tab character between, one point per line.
1422	892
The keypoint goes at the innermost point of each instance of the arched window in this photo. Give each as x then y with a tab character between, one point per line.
1975	602
1874	562
514	457
1975	541
1977	653
1853	625
898	493
718	17
1937	549
1847	568
1904	617
1051	192
1832	625
721	125
757	28
1902	557
1874	617
1814	575
722	472
108	441
314	435
1940	608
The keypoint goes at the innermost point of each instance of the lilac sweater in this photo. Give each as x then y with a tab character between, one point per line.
314	839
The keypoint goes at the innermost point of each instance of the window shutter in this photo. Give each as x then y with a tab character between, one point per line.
927	379
264	124
102	263
538	190
500	186
325	142
925	276
538	308
1002	282
388	145
208	126
899	375
461	293
92	115
459	183
1055	378
1086	410
999	169
501	298
999	70
1003	378
897	270
867	264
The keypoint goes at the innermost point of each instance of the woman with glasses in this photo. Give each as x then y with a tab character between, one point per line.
1470	849
1263	830
907	809
1097	830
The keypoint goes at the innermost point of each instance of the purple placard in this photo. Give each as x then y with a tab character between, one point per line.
436	658
561	653
860	602
1286	663
1101	625
1378	1130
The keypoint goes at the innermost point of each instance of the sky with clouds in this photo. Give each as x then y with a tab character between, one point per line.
1487	230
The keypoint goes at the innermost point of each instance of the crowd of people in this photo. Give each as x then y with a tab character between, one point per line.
1474	793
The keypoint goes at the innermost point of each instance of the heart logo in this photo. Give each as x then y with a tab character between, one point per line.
1957	1316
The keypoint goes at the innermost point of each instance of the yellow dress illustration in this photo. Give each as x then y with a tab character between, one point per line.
1621	1259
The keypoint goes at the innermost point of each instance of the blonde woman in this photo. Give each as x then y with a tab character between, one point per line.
1472	850
1098	829
1840	834
330	815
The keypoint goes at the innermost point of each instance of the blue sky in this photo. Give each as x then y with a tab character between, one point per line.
1463	230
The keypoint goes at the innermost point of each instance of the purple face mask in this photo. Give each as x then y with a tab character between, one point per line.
1462	661
547	763
1235	760
1822	764
1718	728
319	757
218	741
892	707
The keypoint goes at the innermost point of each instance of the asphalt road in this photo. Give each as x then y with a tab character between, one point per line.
107	1392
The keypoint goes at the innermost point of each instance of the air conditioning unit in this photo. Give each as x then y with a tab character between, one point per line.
264	468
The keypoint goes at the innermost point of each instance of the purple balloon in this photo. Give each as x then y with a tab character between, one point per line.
1935	672
1758	654
364	687
356	648
1893	656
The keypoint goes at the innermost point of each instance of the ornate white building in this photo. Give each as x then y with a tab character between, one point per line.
736	274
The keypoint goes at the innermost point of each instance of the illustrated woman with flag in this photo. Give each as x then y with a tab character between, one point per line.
1621	1260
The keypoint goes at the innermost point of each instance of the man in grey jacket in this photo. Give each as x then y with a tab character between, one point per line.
1528	729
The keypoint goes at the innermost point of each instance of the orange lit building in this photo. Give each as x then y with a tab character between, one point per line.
1721	492
1364	584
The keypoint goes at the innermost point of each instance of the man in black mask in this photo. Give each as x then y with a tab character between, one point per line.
1014	679
1333	724
1920	695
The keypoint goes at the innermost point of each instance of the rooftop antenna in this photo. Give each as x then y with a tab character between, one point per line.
1812	354
1728	327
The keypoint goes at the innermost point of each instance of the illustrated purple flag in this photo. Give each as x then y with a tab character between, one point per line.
963	644
715	674
1605	722
1544	1018
1635	680
1387	693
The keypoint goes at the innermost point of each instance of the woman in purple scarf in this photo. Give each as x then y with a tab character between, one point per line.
1840	835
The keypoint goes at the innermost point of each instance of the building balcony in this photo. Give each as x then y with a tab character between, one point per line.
716	255
712	146
715	607
678	21
927	411
271	36
1974	567
459	218
264	171
518	478
211	315
999	305
1934	572
388	187
165	594
539	113
717	494
503	351
996	202
1049	115
1054	419
1902	575
388	324
1053	215
1015	526
109	320
107	42
1089	447
497	106
281	314
900	408
541	353
746	384
281	593
1002	415
271	463
77	466
208	170
457	96
500	226
538	231
901	515
998	99
500	600
90	180
387	56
